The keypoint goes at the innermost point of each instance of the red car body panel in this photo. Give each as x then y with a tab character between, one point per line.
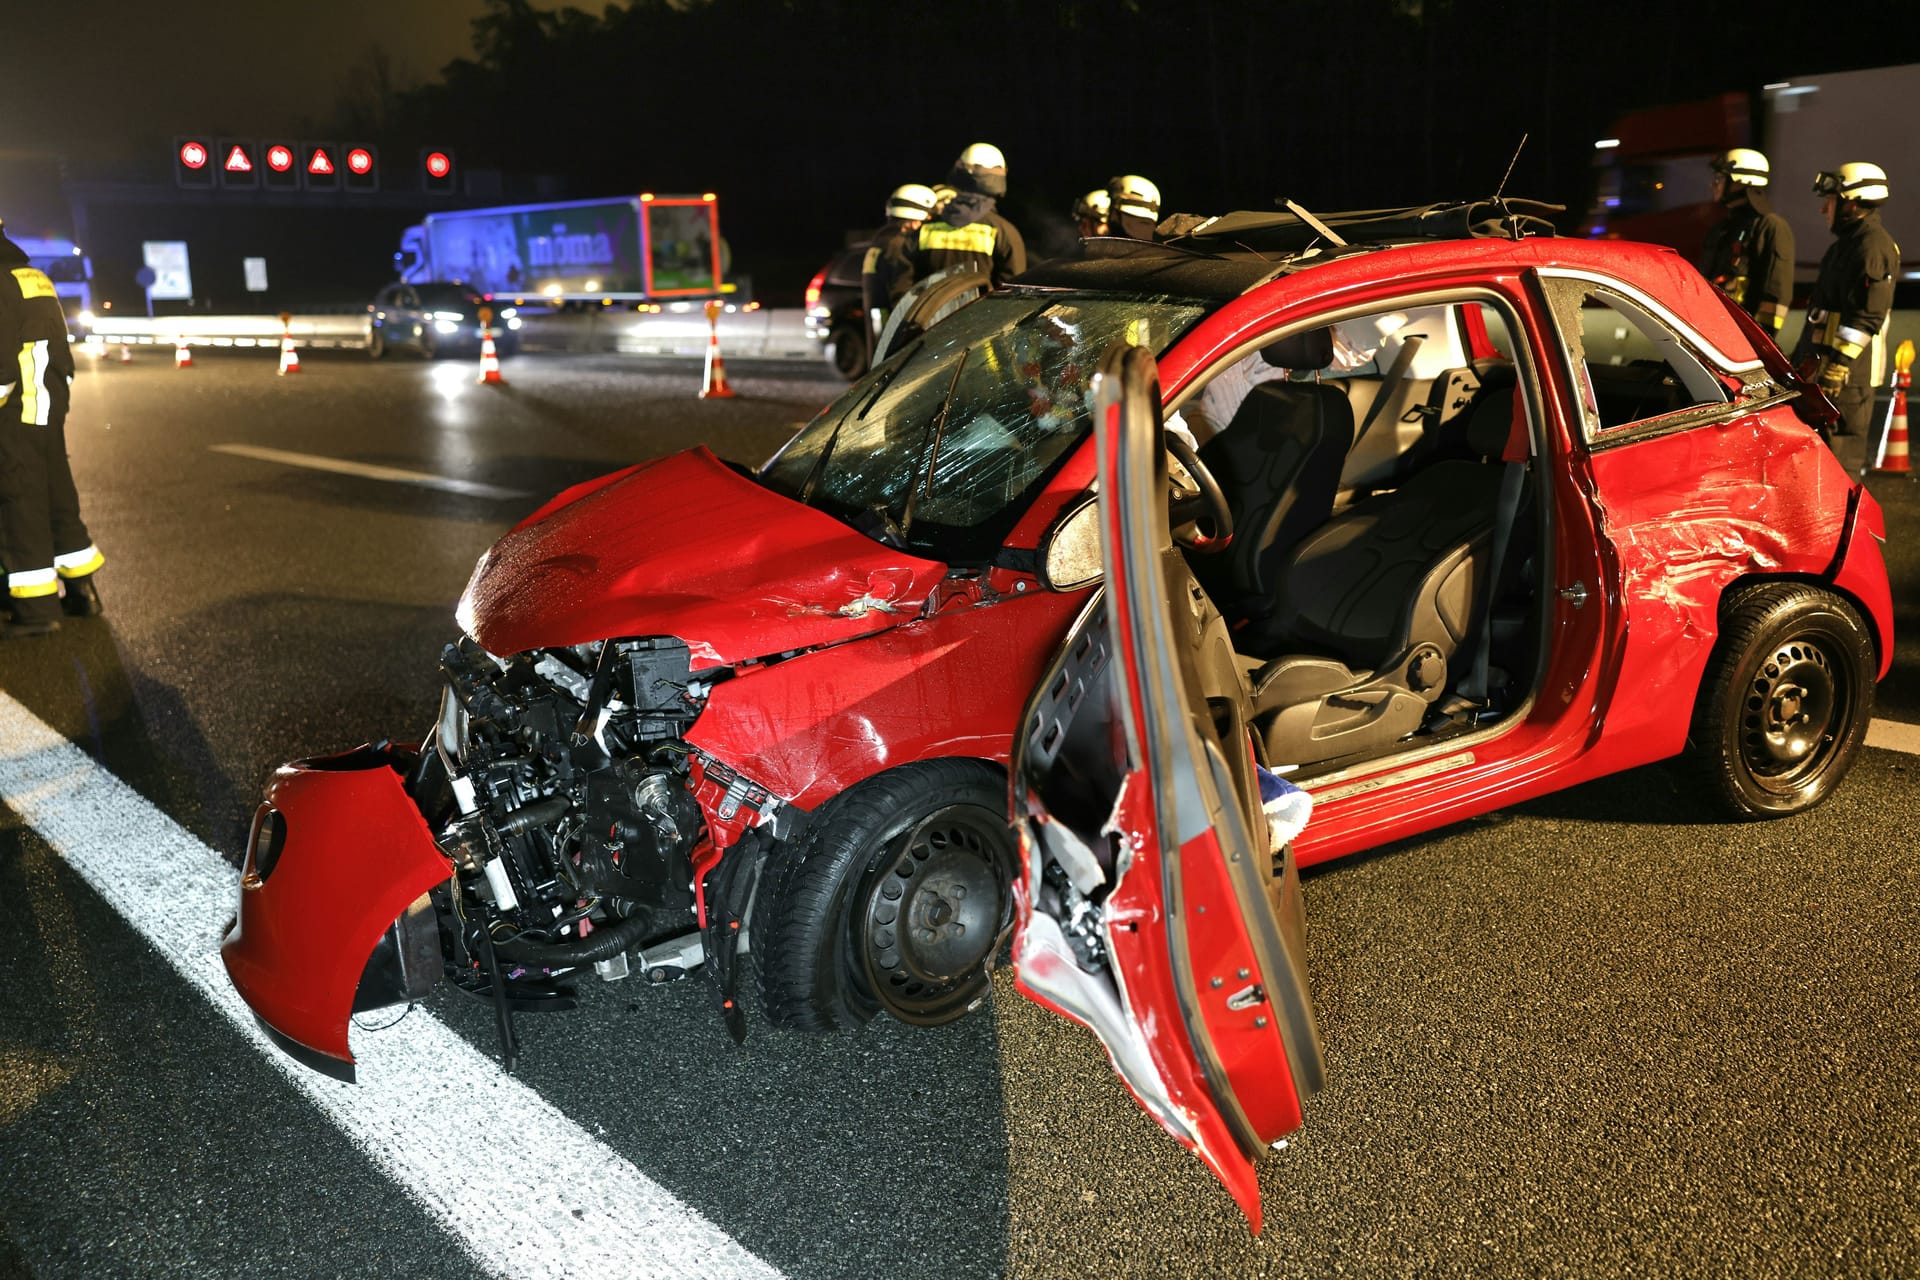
1861	572
747	573
356	854
948	685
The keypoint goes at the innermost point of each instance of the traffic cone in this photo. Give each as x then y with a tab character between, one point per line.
126	354
289	355
182	354
713	386
1893	455
489	358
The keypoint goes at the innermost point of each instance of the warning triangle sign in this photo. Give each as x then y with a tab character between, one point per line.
238	161
320	161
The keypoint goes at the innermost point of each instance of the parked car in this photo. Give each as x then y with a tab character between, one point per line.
1449	541
837	313
436	320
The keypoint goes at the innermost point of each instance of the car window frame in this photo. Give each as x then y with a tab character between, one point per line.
1744	383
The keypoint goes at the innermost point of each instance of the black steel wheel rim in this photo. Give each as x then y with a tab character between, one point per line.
1796	708
932	913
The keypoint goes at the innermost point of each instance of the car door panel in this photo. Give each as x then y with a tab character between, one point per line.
1200	994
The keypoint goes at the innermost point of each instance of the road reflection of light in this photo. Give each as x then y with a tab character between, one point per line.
451	379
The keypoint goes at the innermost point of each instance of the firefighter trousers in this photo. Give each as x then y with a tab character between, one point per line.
40	527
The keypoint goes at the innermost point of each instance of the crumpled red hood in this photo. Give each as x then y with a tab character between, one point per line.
687	547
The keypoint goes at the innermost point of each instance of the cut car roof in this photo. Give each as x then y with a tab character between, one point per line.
1222	257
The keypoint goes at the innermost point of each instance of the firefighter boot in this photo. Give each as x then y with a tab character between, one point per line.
32	616
81	599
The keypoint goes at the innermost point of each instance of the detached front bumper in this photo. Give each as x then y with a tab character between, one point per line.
333	912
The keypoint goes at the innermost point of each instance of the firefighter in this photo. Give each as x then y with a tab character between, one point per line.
1853	294
1749	252
42	541
1135	207
887	270
969	229
1090	213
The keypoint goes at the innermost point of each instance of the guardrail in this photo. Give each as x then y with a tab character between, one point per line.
757	334
231	331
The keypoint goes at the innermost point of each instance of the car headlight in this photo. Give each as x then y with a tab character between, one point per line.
513	322
446	326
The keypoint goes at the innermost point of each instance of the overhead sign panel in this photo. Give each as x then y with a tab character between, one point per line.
167	259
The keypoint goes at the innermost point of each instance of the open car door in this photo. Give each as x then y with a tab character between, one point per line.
1150	905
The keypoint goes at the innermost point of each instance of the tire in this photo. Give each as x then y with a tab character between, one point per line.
429	345
1786	700
927	841
376	344
849	350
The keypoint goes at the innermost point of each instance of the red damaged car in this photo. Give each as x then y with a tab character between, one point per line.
1445	513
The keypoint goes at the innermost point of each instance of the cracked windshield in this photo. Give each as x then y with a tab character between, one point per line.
940	446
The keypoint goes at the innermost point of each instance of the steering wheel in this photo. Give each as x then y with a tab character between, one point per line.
1190	505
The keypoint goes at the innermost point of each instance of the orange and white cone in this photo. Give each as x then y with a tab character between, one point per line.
489	359
289	354
182	354
1893	454
713	386
126	354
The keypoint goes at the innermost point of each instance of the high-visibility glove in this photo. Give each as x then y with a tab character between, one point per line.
1832	377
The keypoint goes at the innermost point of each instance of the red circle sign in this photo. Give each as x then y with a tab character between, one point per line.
279	159
360	160
438	165
193	155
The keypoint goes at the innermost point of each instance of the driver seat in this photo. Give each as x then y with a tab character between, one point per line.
1278	463
1376	603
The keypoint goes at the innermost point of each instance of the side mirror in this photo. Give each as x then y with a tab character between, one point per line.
1070	550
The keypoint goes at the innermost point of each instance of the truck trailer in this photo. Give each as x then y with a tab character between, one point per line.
625	248
1653	176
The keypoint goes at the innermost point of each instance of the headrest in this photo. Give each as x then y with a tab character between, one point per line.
1495	417
1312	349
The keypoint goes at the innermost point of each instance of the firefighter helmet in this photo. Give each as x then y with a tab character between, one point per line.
1133	194
911	202
1857	180
1743	165
1093	206
983	164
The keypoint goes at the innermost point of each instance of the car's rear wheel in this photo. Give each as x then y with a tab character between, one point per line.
849	350
376	344
895	901
1786	700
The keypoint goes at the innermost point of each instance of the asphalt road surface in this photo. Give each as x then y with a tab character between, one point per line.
1602	1033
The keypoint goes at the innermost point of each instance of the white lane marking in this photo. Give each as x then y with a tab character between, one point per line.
1894	735
366	471
430	1110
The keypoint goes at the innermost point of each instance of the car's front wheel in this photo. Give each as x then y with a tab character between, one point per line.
895	900
376	344
1786	700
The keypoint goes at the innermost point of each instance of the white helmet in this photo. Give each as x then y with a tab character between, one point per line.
982	157
1743	165
1860	181
1133	194
911	202
1095	204
984	168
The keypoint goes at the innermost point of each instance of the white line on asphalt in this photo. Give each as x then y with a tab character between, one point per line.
1894	735
430	1110
366	471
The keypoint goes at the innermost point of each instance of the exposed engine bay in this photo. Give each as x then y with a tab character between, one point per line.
558	782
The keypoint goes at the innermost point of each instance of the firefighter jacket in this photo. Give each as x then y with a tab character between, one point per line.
1853	295
36	362
970	231
1749	255
886	271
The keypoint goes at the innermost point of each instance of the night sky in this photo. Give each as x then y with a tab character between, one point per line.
802	114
